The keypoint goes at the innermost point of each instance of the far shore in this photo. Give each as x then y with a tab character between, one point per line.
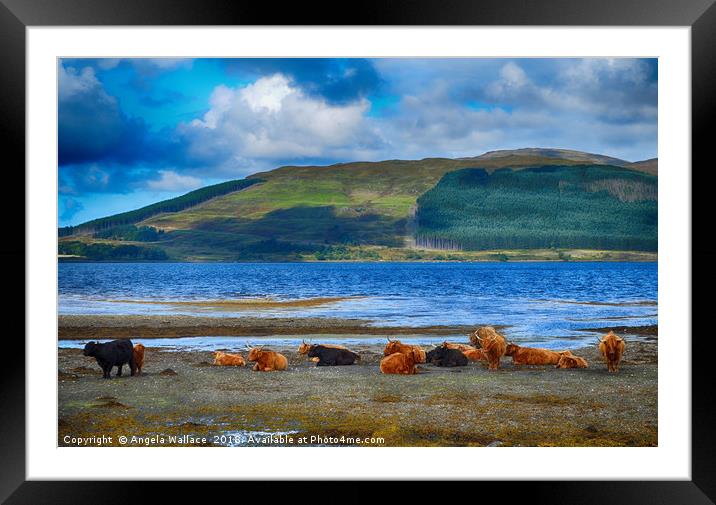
382	254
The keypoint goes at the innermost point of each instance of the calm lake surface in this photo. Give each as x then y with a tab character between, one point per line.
543	303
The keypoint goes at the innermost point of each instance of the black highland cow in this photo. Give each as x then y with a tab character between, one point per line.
330	356
445	357
110	354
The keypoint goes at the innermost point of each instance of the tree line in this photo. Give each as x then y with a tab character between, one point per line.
545	207
172	205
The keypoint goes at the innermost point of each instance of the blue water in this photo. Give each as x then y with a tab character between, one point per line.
543	303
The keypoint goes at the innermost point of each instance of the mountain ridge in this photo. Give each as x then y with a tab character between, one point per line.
304	212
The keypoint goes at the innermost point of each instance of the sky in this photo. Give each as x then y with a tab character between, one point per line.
136	131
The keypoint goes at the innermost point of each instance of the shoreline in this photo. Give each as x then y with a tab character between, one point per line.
78	327
631	257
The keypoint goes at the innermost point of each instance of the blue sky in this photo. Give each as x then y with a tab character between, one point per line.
132	132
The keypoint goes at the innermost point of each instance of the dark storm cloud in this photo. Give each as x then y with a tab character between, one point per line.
91	125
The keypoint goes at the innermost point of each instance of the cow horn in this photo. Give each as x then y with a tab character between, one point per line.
599	340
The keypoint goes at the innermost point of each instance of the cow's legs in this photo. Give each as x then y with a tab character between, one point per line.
119	370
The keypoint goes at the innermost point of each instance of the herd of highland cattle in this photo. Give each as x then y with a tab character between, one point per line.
486	345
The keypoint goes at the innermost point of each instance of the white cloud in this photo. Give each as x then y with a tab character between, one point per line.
266	94
272	118
172	181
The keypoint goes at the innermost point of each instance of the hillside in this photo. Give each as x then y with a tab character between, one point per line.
555	154
345	211
586	206
650	167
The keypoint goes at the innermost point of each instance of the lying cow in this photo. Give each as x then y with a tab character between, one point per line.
445	357
267	361
399	363
394	346
470	352
110	354
475	354
305	347
493	345
612	348
138	352
459	347
330	356
569	360
531	356
227	359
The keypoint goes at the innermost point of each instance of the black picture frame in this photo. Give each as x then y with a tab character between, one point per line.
17	15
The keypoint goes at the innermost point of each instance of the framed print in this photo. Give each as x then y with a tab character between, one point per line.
425	243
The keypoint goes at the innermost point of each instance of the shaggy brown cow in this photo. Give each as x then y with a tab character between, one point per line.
394	346
399	363
569	360
267	361
138	352
475	354
531	356
459	347
612	348
470	352
226	359
492	343
305	347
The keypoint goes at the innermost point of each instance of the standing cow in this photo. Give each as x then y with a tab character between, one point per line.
138	352
612	348
492	343
110	354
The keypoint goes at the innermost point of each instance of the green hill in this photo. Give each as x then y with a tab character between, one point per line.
362	210
587	206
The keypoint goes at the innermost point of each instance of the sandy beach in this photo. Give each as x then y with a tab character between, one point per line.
182	399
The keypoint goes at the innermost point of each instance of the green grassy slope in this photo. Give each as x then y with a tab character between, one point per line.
346	204
589	206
